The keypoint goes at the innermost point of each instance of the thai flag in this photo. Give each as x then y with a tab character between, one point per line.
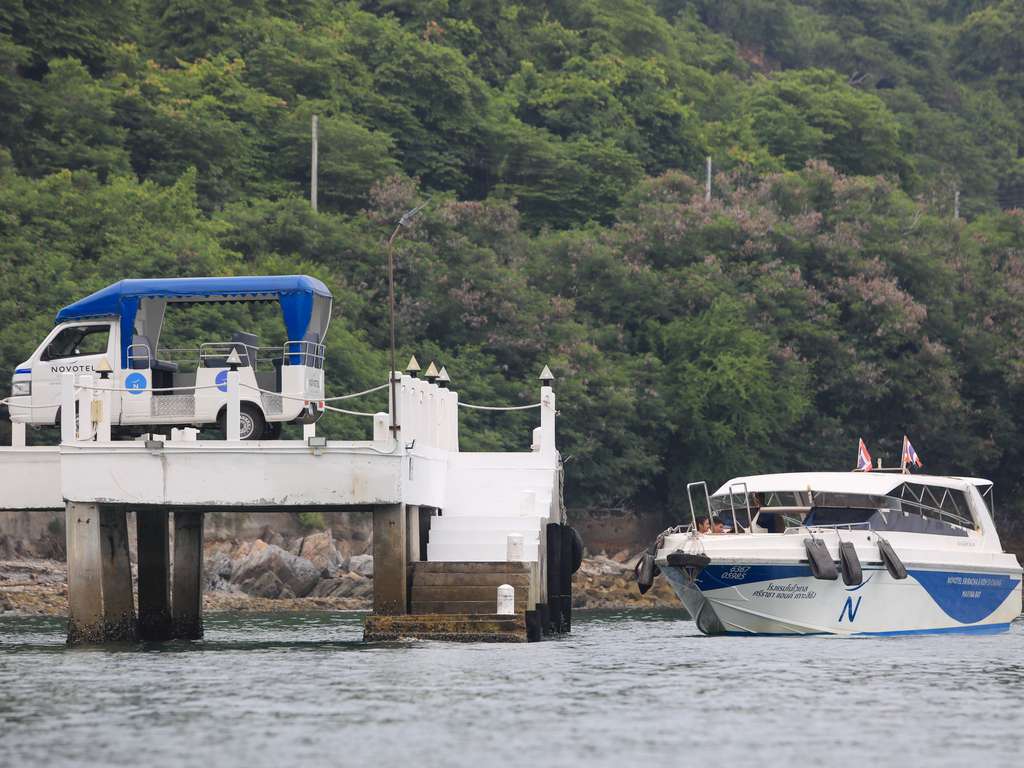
863	458
909	454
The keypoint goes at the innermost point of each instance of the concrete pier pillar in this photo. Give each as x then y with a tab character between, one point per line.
554	578
85	568
100	604
390	558
187	585
118	601
154	575
412	533
566	578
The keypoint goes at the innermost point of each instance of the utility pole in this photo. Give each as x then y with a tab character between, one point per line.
956	204
707	183
315	163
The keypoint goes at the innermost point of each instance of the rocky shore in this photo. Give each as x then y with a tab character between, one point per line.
277	572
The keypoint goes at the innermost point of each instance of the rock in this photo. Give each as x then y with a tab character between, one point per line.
361	564
265	585
602	566
297	574
269	536
621	557
348	585
217	571
320	550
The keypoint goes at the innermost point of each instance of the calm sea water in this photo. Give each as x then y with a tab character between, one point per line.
626	689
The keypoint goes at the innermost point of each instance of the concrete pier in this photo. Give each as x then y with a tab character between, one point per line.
390	560
187	584
118	602
100	604
433	506
85	565
154	575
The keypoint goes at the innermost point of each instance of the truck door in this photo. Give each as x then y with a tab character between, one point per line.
75	349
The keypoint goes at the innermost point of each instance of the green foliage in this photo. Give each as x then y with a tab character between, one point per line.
312	521
824	292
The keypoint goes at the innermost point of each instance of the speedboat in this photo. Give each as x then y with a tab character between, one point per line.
841	553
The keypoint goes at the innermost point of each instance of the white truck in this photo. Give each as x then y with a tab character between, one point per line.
153	387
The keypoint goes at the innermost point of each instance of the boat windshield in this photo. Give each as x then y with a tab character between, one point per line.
910	507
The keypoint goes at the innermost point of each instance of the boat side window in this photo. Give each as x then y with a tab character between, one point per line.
78	341
946	504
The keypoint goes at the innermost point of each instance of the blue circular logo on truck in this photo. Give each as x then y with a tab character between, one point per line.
222	381
135	383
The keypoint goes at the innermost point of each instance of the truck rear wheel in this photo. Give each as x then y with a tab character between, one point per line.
251	422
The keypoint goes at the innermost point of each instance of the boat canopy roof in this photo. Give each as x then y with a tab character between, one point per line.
869	483
305	301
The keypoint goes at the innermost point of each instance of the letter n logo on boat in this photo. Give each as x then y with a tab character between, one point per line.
850	609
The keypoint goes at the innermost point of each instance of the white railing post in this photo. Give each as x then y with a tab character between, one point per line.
381	428
85	428
395	403
453	421
405	410
547	420
67	408
233	428
104	398
17	434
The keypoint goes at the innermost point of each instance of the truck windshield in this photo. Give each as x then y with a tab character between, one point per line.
78	341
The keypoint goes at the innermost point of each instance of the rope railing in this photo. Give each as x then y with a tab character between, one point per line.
94	388
303	399
500	407
355	394
348	413
8	403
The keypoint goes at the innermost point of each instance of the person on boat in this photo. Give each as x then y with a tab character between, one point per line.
703	525
717	526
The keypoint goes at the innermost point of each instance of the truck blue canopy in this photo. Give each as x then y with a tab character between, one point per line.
296	294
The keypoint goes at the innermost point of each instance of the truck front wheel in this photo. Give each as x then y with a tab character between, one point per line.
251	423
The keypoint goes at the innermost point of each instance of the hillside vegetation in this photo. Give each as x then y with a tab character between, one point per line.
825	292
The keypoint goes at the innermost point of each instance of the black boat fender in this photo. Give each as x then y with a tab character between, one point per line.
892	562
822	565
577	549
850	564
645	572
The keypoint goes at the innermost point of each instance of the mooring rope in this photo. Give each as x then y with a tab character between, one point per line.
500	407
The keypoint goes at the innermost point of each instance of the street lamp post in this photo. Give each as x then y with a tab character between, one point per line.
402	222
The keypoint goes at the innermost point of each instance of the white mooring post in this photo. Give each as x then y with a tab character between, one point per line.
506	600
233	416
67	408
308	431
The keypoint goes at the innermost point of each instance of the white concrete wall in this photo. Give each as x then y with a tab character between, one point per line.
219	473
30	478
491	496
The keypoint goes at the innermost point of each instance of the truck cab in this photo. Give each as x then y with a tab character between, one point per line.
156	387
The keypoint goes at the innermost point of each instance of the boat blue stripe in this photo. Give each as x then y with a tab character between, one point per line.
23	370
977	629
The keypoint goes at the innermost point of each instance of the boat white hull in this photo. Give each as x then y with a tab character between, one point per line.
785	599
